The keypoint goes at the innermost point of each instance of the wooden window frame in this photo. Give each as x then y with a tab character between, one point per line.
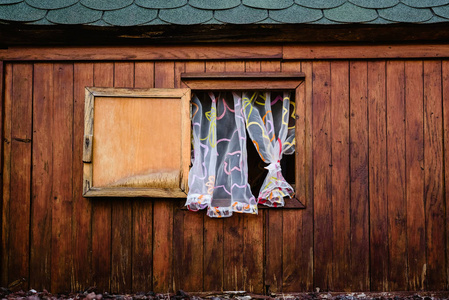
91	94
226	81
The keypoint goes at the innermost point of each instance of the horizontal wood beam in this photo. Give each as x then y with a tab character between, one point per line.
174	52
241	75
307	52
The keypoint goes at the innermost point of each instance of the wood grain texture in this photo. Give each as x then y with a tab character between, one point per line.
397	214
142	247
213	232
20	191
414	167
61	254
122	212
322	175
341	192
274	227
162	209
307	237
188	236
253	238
433	169
173	52
359	177
101	208
42	176
233	273
6	172
295	51
377	110
445	99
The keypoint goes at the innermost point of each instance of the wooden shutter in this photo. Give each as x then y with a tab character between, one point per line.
136	142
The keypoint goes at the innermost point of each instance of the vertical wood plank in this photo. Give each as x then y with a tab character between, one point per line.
307	262
377	110
20	189
253	239
163	209
61	254
340	175
142	247
359	177
188	226
322	175
433	168
6	172
101	208
82	209
213	232
233	273
445	85
2	103
273	223
122	213
414	168
397	232
42	177
292	255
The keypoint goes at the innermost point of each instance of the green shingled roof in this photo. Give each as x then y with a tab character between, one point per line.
189	12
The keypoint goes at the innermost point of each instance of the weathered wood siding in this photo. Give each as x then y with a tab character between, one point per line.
376	218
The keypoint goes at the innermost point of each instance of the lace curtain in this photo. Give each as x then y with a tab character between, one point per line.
218	179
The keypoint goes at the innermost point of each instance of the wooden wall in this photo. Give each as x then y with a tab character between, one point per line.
376	201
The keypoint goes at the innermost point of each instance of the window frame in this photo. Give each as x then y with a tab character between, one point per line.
293	81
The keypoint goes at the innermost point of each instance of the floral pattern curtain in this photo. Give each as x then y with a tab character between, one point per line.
218	179
267	122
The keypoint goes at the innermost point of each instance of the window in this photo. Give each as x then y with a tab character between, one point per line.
138	141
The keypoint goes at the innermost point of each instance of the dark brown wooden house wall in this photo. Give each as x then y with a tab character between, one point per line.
376	214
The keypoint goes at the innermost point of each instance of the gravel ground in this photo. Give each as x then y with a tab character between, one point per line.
239	295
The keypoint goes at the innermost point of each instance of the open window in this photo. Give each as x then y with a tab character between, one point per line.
247	89
138	141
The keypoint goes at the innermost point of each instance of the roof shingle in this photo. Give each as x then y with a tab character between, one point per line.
75	14
350	13
241	15
296	14
185	15
130	16
406	14
21	12
50	4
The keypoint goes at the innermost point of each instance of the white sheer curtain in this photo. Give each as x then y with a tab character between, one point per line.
218	179
267	122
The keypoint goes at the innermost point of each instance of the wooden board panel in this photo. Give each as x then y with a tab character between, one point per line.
101	208
295	51
306	276
433	168
341	195
273	223
445	95
82	208
397	232
414	167
162	209
42	176
377	109
322	175
20	192
188	226
6	174
359	177
253	239
172	52
122	213
61	254
142	248
213	232
233	273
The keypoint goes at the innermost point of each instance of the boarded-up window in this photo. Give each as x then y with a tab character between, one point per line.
137	142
